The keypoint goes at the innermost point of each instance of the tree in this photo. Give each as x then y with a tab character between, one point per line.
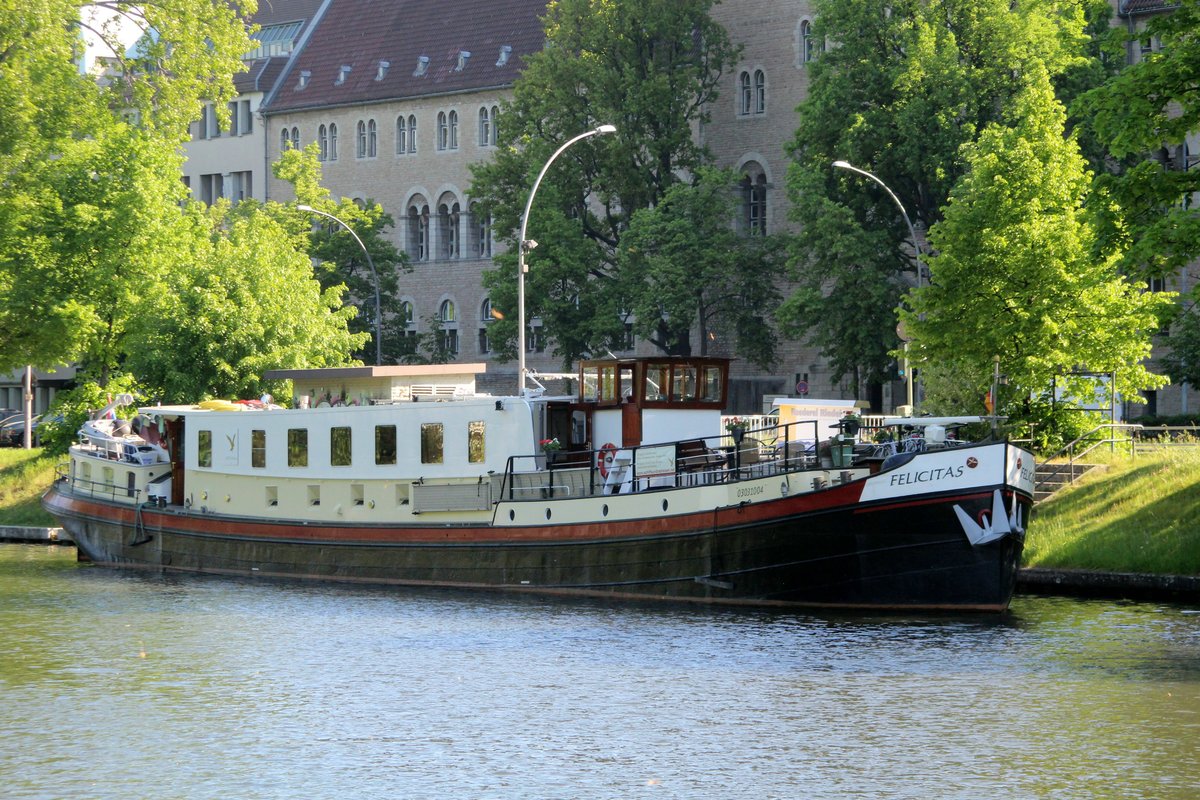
1140	113
650	67
683	264
341	259
904	88
1014	274
91	168
243	300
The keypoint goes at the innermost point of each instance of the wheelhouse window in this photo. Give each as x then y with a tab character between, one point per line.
685	383
340	454
385	444
204	448
431	442
712	385
258	449
297	447
475	442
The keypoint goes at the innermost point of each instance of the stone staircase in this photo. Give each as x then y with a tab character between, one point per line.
1050	478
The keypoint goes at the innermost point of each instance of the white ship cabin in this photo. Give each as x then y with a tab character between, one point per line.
386	443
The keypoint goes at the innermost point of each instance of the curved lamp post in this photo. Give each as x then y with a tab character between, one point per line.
374	277
916	250
525	245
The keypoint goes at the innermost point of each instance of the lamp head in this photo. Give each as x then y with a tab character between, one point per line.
304	208
842	164
606	129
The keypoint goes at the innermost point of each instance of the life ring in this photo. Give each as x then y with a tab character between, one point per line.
604	458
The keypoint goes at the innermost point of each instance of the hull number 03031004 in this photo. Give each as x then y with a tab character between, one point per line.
749	491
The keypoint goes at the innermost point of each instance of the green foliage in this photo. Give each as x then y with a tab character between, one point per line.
681	262
1143	114
91	167
905	88
244	300
77	406
1015	277
1183	362
650	67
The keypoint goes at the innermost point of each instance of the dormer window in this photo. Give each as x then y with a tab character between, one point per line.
343	73
382	71
505	52
302	83
463	55
422	66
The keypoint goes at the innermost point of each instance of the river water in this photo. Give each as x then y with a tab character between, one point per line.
128	685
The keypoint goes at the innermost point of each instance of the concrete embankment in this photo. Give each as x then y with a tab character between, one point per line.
18	533
1112	585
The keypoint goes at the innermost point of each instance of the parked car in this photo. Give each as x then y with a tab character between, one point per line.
12	430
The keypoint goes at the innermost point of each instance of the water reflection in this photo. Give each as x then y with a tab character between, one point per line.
169	686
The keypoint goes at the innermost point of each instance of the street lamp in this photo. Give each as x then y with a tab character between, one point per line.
524	245
374	277
916	251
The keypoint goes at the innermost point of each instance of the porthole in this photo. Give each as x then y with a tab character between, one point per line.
512	514
664	505
547	513
604	510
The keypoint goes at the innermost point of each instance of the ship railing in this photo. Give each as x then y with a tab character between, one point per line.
742	453
103	489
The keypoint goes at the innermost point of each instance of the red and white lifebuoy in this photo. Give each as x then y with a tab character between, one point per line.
604	458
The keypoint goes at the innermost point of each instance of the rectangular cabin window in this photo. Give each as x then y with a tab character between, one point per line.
431	442
712	384
130	484
107	476
339	447
272	495
385	444
356	494
297	447
314	494
591	383
204	448
258	449
475	448
685	384
658	382
608	383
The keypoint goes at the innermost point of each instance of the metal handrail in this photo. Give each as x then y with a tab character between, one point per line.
1069	450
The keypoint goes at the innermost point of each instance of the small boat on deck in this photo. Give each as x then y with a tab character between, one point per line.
632	487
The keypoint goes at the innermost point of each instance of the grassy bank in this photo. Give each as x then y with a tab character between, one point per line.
24	475
1139	515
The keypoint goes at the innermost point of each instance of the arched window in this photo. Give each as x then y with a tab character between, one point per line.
448	220
747	94
453	143
486	315
809	45
485	127
360	150
754	200
401	135
443	131
495	124
295	138
760	92
333	141
372	139
285	140
481	225
323	143
412	133
408	317
418	231
448	324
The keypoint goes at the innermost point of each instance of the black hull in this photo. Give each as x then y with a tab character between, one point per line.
889	555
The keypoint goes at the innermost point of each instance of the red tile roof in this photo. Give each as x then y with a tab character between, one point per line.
361	33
